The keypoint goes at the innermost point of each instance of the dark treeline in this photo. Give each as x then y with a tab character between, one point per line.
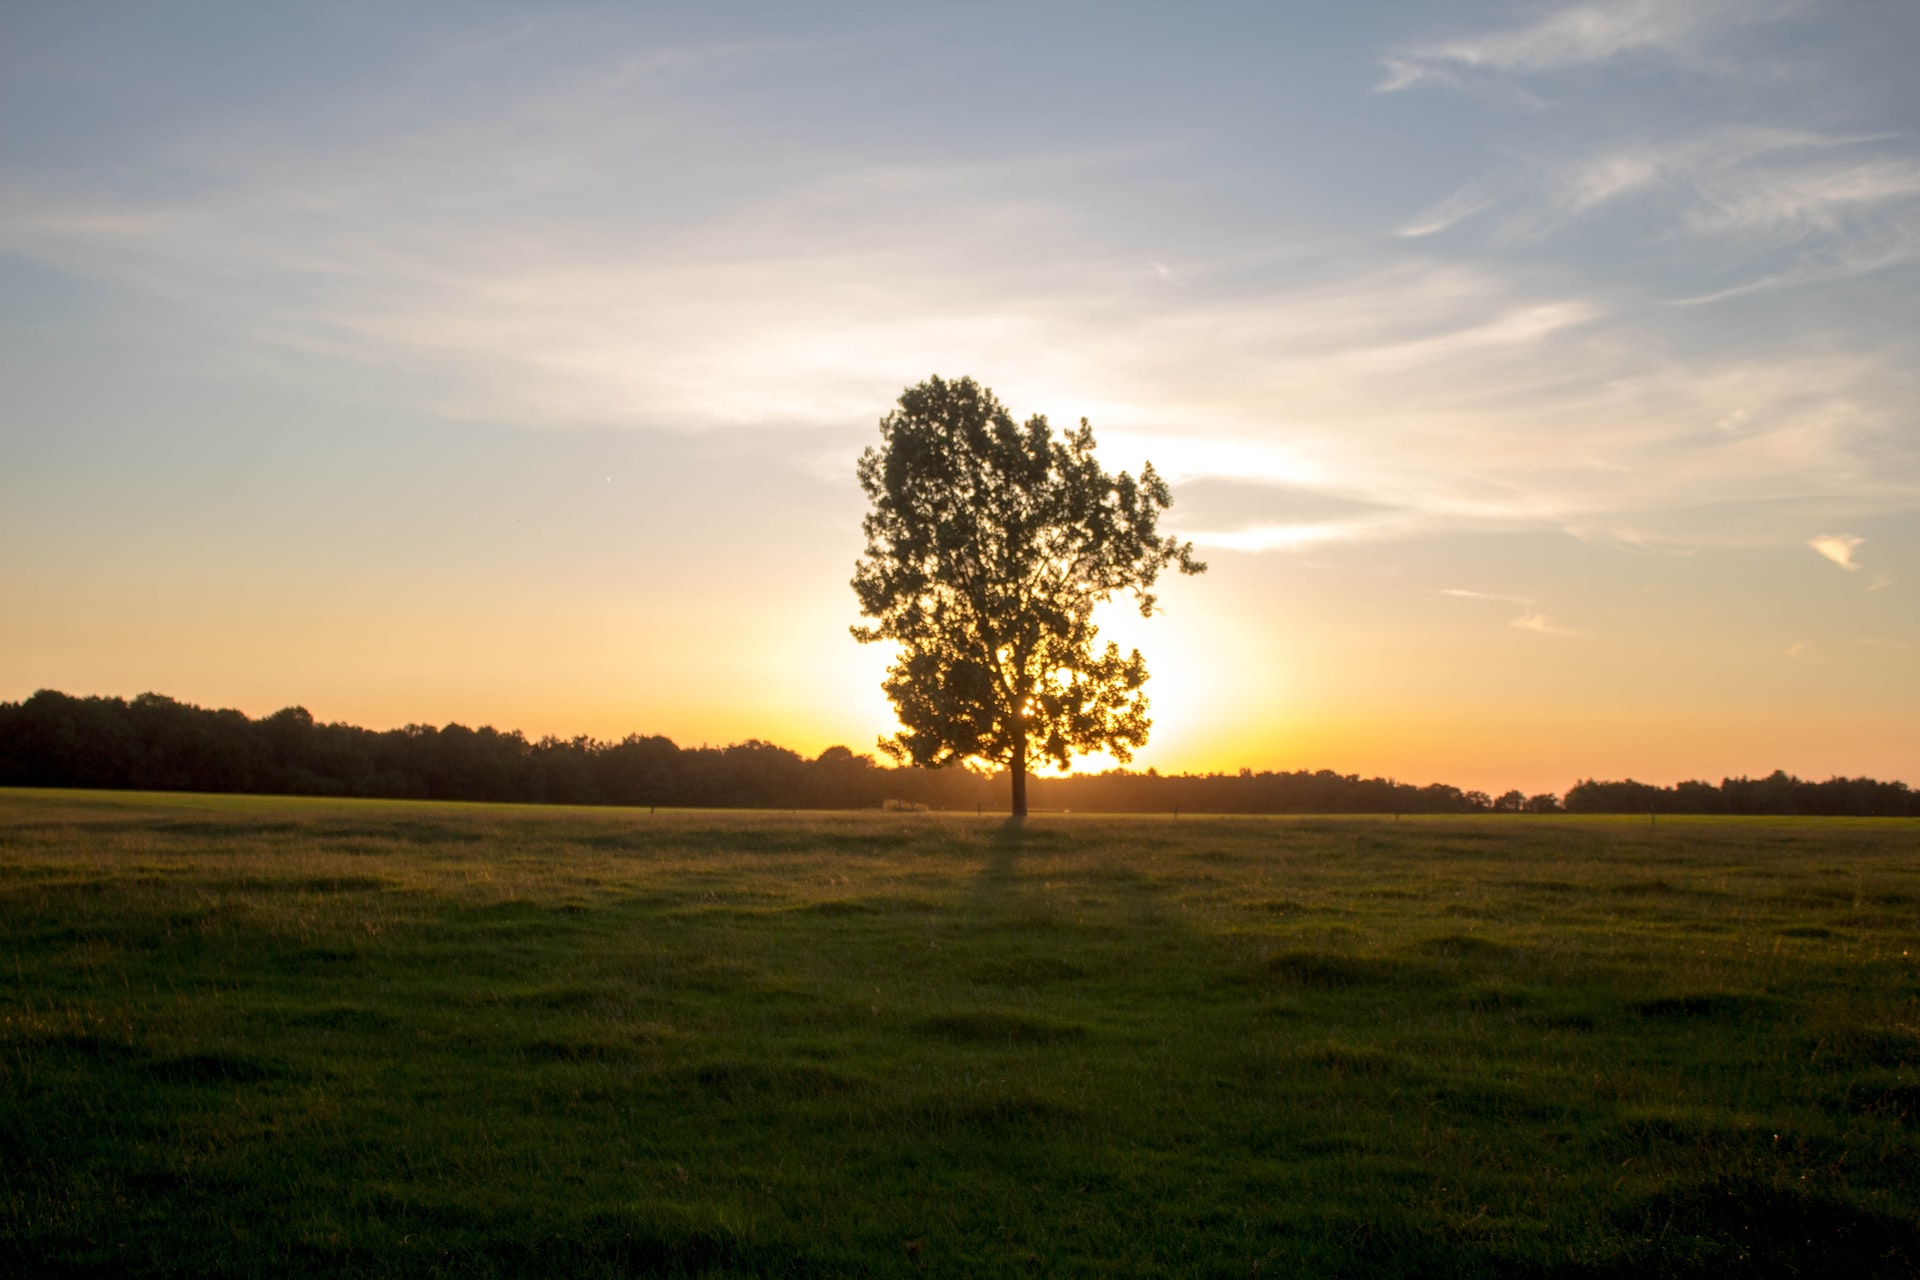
1778	793
1327	792
155	743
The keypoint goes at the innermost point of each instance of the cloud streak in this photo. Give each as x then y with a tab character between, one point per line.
1452	211
1573	36
1449	394
1529	618
1435	381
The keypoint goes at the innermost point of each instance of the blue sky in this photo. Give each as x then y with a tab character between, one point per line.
1539	379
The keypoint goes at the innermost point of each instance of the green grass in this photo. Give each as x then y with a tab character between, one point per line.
259	1036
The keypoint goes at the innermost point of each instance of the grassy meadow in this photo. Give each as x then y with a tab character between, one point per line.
251	1036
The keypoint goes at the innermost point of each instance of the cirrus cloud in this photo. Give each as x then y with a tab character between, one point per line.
1576	35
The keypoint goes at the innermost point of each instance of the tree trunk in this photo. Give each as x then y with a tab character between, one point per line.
1019	767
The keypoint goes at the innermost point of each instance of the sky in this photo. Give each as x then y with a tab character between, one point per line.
1538	380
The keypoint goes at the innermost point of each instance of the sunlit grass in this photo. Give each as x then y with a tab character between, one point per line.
249	1035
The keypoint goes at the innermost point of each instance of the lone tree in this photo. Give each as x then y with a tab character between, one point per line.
988	546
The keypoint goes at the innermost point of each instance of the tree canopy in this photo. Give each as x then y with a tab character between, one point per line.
989	543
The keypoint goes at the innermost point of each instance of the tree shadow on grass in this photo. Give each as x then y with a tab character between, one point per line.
997	883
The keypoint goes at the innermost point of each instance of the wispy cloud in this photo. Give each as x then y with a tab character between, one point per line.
1456	208
1783	203
1299	536
1535	621
1758	208
1454	392
1529	619
1839	548
1750	182
1460	594
1575	35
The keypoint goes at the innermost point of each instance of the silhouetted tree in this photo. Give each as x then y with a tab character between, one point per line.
988	546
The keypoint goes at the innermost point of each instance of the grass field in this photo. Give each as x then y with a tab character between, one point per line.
260	1036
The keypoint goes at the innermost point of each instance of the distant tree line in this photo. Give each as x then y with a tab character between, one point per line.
1777	793
1322	791
155	743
